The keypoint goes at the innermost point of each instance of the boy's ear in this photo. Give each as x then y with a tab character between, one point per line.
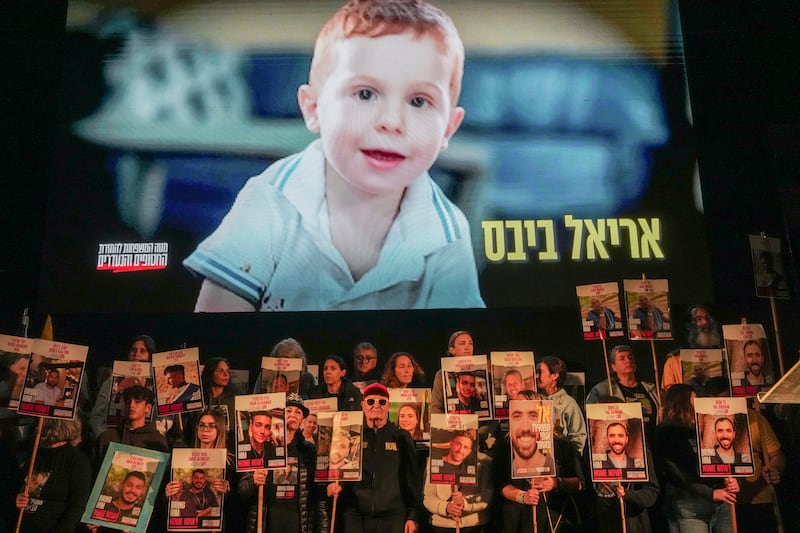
307	100
456	116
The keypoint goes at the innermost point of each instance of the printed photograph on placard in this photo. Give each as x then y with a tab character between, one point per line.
647	306
786	390
281	374
601	314
178	386
53	380
749	359
770	275
126	374
512	372
15	354
698	366
454	449
466	386
339	446
259	431
723	437
126	488
198	486
410	410
530	435
616	440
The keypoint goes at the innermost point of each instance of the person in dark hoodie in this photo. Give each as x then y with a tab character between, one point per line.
137	431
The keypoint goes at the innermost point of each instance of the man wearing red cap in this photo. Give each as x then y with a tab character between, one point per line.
387	497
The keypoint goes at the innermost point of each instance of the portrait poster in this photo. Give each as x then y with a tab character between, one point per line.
321	405
647	306
15	354
177	377
126	374
786	390
454	449
410	410
126	488
257	444
52	385
749	359
530	435
601	314
616	440
339	446
700	365
281	374
723	437
768	270
466	386
198	507
512	372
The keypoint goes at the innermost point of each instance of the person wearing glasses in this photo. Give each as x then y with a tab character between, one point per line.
388	497
365	363
210	433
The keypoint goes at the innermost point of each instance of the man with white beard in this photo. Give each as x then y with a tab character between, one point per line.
703	333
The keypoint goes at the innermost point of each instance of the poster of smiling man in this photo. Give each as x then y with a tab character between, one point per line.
53	381
723	437
616	440
126	488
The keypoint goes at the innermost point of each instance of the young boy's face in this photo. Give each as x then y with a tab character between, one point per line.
384	112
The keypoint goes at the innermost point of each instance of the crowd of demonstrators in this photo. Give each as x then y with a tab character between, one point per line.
393	495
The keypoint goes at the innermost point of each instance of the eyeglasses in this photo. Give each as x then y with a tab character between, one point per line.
365	358
382	402
208	427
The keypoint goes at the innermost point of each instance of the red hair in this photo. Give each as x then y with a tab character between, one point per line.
378	18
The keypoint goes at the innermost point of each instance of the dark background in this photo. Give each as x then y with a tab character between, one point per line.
742	70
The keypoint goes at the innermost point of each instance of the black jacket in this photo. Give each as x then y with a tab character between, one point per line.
348	398
313	518
390	480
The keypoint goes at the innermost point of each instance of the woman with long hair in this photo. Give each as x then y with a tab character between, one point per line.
402	371
409	418
693	503
210	434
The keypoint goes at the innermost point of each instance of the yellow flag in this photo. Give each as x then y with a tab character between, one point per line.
47	329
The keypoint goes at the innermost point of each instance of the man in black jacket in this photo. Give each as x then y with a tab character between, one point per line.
292	501
387	499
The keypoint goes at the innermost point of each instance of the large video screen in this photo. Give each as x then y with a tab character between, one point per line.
203	163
